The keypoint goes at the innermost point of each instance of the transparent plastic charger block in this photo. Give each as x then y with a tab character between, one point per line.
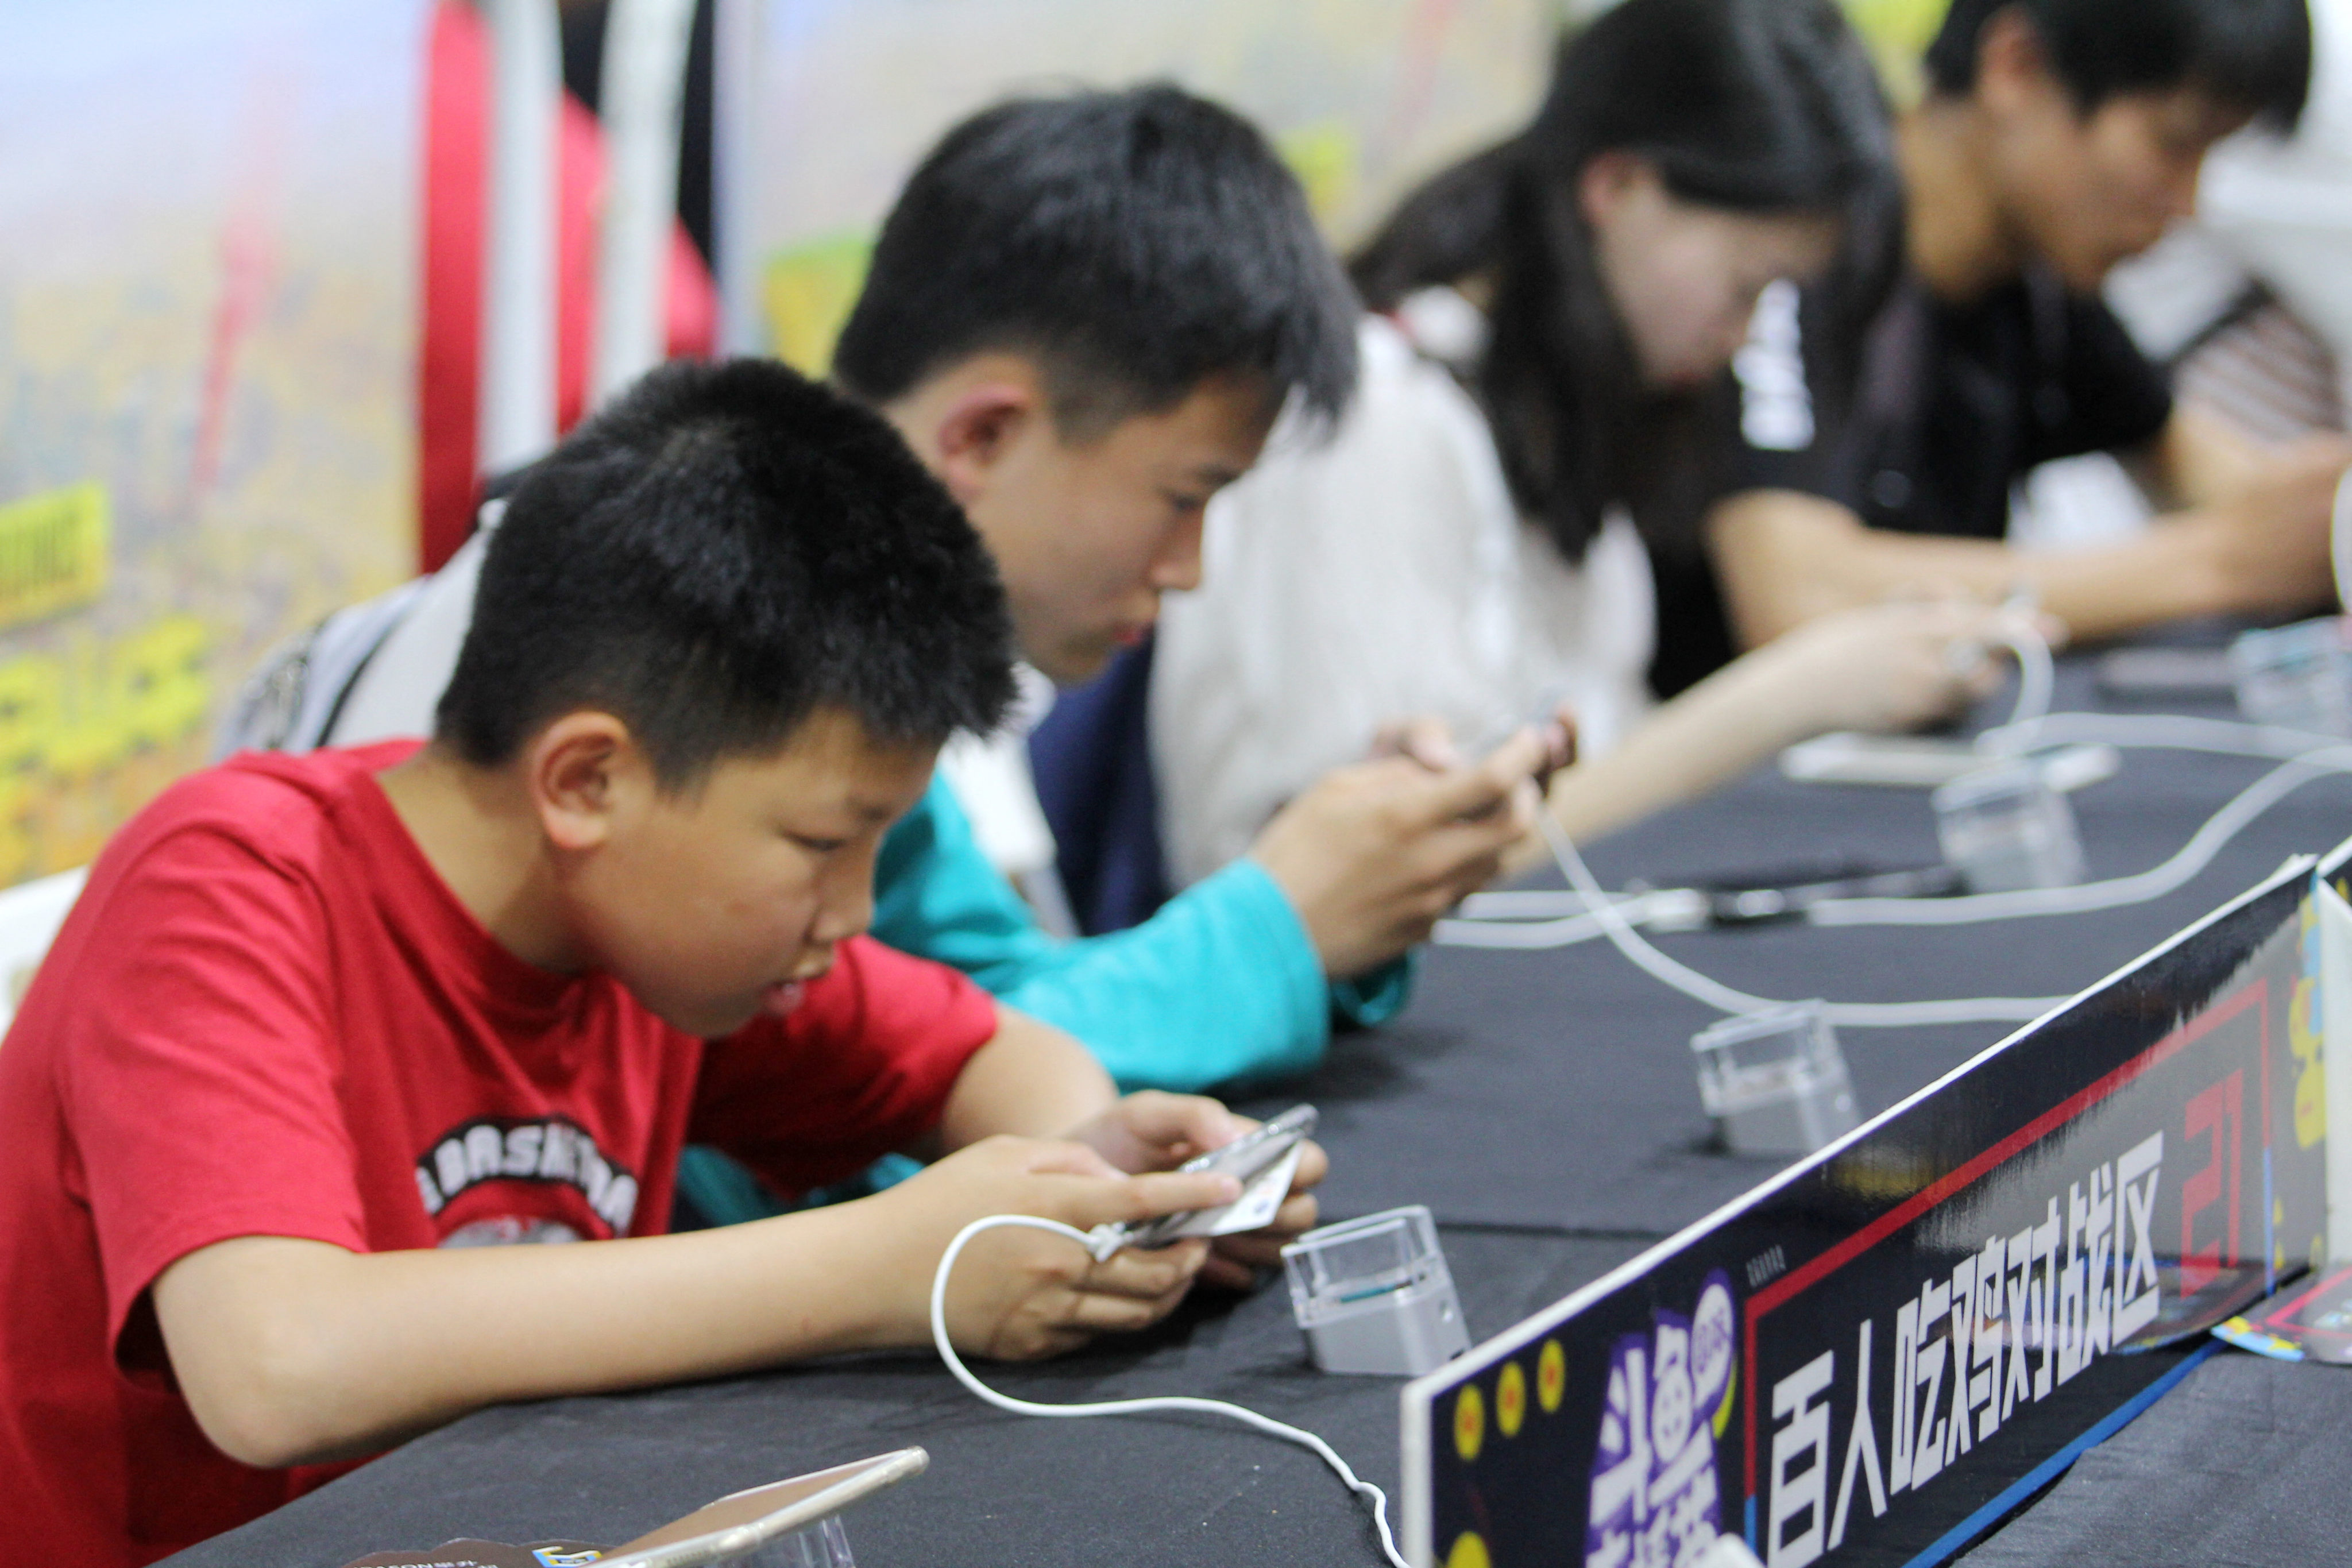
825	1544
1775	1082
2005	829
2297	677
1373	1295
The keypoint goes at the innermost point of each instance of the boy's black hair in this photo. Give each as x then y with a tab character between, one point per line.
722	551
2254	54
1136	242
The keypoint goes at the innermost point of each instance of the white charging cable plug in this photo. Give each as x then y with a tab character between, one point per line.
1108	1237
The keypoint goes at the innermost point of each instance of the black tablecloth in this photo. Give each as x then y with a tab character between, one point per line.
1542	1103
2245	1464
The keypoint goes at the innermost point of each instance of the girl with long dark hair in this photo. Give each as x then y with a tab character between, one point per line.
1540	398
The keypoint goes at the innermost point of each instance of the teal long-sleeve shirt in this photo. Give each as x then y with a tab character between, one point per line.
1221	984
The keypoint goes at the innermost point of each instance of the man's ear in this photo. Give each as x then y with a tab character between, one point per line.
2012	63
980	423
1607	181
585	771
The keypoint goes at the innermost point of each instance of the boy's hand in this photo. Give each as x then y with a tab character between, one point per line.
1234	1260
1429	740
1149	1131
1018	1295
1154	1131
1374	853
1887	667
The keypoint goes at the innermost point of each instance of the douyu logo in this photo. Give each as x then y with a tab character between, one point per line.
1654	1499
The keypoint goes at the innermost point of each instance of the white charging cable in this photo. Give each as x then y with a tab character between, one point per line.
2158	731
1270	1427
1723	998
2310	758
2116	892
2037	668
1550	920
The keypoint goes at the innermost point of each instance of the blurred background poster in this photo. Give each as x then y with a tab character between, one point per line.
207	352
1363	98
210	306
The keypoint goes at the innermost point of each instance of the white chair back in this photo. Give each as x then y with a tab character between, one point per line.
30	914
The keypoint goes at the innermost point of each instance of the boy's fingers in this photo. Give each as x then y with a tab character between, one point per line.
1463	855
1566	739
1064	1158
1098	1314
1256	1250
1427	741
1167	1192
1297	1215
1517	758
1227	1272
1193	1121
1476	790
1150	1273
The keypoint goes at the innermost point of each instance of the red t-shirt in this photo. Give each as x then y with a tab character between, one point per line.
268	1016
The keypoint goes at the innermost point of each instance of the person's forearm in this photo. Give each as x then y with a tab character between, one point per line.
335	1354
2171	572
2198	459
1785	560
1031	1079
1710	734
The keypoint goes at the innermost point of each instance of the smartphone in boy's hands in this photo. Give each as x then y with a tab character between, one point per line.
1264	1160
1553	724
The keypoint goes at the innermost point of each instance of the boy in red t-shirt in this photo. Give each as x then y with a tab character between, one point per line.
323	1031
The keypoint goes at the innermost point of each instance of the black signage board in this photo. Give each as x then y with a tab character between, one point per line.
1876	1355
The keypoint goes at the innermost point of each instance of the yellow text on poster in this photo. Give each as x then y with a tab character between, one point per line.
88	735
53	552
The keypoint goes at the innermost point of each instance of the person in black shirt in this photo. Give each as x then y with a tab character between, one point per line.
2057	139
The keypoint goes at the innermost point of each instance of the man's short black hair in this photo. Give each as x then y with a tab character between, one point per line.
1137	243
724	549
2253	54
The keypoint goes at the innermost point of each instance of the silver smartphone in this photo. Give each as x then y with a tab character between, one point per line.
737	1523
1245	1159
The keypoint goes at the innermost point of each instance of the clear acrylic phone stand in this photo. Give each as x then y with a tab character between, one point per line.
825	1544
1373	1295
1775	1082
2296	677
2005	829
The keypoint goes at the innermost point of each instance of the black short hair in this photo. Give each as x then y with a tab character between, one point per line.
725	548
1137	243
2255	54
